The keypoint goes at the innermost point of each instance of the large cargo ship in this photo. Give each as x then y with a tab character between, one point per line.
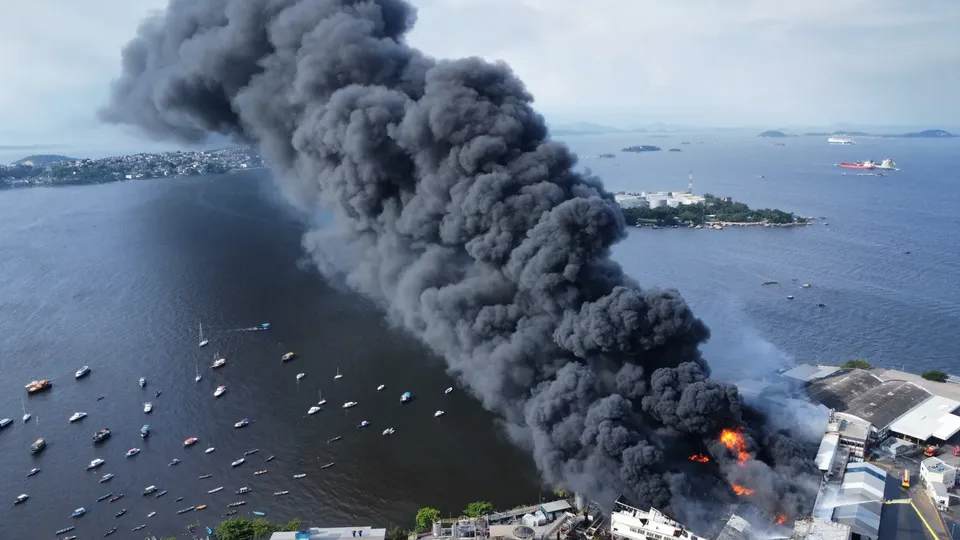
886	165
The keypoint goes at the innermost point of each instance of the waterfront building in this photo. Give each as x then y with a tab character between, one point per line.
629	523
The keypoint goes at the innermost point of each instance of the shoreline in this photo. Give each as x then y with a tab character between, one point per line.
7	187
720	225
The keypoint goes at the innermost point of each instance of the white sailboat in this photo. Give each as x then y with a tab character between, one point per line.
26	415
320	395
338	375
198	377
203	342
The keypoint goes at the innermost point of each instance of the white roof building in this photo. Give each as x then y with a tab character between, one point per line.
933	418
629	523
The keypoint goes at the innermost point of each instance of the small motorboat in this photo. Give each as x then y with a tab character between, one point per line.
113	530
251	452
157	393
95	463
38	386
115	498
287	357
149	489
789	297
105	497
363	424
100	398
237	462
279	493
101	435
132	452
79	512
160	493
264	326
438	414
185	510
338	375
258	473
190	442
242	423
201	507
335	439
219	391
216	489
301	375
120	513
327	466
806	285
209	450
349	404
236	504
243	490
151	514
37	446
389	431
32	472
22	498
821	305
5	422
78	416
313	410
381	387
145	431
218	361
257	513
106	478
448	390
147	407
83	372
405	397
143	382
230	513
300	475
179	499
62	531
174	462
138	527
204	476
269	459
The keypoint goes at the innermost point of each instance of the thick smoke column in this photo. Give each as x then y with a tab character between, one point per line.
473	232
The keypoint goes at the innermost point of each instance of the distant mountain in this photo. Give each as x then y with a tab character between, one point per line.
42	160
926	134
773	133
582	128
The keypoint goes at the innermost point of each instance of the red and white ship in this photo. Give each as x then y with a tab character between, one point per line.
886	165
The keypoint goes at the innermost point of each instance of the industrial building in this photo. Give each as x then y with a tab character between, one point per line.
629	523
854	498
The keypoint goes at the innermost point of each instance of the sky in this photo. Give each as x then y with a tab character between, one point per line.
625	63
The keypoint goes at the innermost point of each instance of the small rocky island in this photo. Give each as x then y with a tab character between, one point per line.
641	148
773	133
606	156
928	134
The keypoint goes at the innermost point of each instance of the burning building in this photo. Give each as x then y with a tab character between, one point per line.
629	523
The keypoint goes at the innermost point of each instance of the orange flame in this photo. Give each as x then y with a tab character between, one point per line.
741	491
734	442
699	458
781	518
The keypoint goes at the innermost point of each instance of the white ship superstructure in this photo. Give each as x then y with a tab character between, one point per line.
841	139
629	523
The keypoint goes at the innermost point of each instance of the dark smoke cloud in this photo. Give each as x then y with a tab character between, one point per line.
472	230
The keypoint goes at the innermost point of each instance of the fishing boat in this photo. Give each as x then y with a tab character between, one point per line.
389	431
327	466
381	387
258	473
203	342
174	462
185	510
237	462
242	423
438	414
63	531
138	527
142	382
132	452
158	393
82	372
219	391
279	493
363	424
190	442
448	390
38	386
236	504
313	410
204	476
287	357
26	415
79	512
209	450
335	439
256	513
147	407
22	498
115	498
77	416
120	513
198	377
145	431
105	497
111	531
216	489
5	422
106	478
300	475
149	489
251	452
243	490
338	375
151	514
179	499
789	297
201	507
161	493
230	513
95	463
269	459
301	375
218	361
38	446
349	404
405	397
322	401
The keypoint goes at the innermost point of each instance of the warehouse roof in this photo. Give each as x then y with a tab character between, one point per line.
837	390
950	390
883	404
827	451
932	418
810	372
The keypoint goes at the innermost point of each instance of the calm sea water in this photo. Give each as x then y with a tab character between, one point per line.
118	276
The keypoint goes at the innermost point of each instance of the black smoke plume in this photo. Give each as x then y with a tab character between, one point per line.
472	230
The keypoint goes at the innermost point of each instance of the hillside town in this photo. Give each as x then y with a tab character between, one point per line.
70	171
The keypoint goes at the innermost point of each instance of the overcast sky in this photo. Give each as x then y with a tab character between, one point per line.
620	62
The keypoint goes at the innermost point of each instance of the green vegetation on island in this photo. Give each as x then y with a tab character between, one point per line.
712	210
241	528
935	375
773	133
42	160
858	363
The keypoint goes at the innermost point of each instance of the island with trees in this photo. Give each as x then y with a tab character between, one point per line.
713	211
773	133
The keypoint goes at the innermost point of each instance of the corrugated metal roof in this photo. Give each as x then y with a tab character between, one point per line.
932	418
839	389
827	451
883	404
810	372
